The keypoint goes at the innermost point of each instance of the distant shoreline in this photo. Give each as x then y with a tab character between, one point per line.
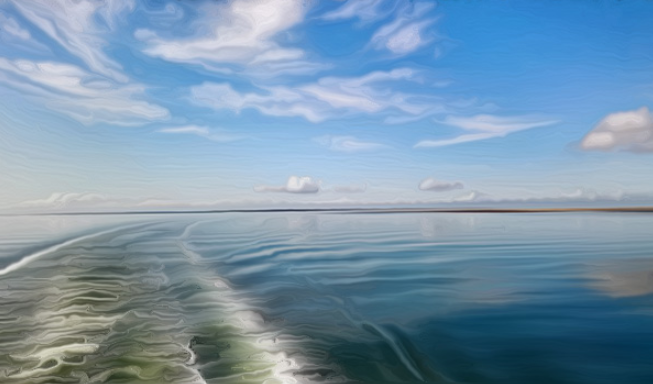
347	210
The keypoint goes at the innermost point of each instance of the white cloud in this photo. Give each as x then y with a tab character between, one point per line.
574	196
405	40
485	127
347	144
365	10
190	129
294	184
18	37
328	98
405	34
455	140
495	124
60	200
242	32
471	197
278	101
431	184
205	132
95	202
12	28
85	97
74	24
629	131
367	93
300	189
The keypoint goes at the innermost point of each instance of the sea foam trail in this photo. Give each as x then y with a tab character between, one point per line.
291	271
131	305
28	259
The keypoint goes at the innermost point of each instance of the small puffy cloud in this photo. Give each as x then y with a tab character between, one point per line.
628	131
348	144
431	184
294	184
485	127
205	132
302	185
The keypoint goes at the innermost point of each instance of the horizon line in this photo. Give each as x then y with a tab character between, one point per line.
640	209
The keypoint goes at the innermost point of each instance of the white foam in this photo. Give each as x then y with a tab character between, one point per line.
28	259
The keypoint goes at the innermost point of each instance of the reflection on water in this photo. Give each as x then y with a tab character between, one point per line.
626	277
304	298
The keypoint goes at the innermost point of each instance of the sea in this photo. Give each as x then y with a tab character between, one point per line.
327	297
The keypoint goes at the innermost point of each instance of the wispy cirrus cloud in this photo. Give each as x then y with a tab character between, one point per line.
629	131
10	27
82	95
204	132
87	85
348	144
14	35
78	26
484	127
328	98
364	10
402	35
407	32
241	33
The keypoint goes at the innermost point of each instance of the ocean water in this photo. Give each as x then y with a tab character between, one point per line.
327	297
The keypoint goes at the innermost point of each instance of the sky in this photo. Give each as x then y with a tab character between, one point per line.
147	105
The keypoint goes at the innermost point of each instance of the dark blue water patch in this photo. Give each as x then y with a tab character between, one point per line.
586	340
522	307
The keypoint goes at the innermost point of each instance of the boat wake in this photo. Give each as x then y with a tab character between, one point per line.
131	305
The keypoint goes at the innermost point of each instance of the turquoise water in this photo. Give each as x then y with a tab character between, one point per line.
307	298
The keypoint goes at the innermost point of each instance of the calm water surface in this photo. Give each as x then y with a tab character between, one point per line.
343	298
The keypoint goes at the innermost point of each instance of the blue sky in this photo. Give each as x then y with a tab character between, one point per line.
262	103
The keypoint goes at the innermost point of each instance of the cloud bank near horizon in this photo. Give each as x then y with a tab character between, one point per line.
431	184
295	184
